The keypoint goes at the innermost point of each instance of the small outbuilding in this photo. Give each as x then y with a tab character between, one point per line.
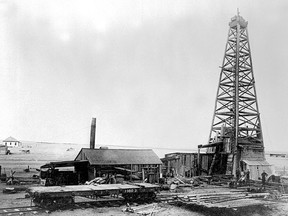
11	142
142	164
256	168
183	164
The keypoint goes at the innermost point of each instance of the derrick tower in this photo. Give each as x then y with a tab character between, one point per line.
236	132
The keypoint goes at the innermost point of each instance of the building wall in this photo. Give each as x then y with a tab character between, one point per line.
183	164
252	154
150	172
205	163
12	144
256	171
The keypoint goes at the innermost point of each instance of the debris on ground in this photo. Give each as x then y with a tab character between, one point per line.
12	181
9	190
175	183
128	208
148	209
3	177
27	169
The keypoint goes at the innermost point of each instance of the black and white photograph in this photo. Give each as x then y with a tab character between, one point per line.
143	107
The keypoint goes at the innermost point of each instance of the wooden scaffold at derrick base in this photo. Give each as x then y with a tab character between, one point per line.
236	132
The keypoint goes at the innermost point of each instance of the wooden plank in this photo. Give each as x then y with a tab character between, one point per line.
81	189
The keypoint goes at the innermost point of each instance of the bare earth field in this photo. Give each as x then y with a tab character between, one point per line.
40	153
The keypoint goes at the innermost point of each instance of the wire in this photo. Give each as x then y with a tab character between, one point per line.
121	146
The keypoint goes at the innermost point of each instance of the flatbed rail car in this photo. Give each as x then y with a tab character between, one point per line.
63	195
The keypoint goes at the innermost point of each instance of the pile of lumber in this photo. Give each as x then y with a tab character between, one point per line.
11	190
168	197
284	197
200	180
221	199
28	180
96	181
256	186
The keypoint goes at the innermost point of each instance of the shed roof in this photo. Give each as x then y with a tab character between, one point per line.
118	156
10	139
63	164
256	162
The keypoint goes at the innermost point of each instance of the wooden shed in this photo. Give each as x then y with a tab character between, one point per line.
136	163
183	164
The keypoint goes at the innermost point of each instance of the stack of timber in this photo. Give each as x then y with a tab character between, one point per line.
221	200
168	197
28	180
197	181
256	186
96	181
284	197
282	187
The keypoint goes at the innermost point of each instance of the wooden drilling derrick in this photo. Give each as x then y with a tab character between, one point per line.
236	132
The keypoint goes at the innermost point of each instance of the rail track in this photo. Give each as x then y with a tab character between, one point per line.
88	203
83	202
20	210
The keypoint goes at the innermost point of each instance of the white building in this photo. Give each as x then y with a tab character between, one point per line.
11	142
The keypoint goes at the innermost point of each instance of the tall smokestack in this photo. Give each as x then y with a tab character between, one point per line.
92	133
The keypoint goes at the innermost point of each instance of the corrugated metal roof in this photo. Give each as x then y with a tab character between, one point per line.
118	156
257	162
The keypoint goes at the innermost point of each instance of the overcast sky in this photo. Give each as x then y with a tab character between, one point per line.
147	70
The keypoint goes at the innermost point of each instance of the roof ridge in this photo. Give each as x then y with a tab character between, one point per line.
118	156
11	139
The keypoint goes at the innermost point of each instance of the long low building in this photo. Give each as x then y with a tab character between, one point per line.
129	164
142	163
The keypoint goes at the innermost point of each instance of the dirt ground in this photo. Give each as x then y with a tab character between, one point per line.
40	154
18	199
159	209
164	210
